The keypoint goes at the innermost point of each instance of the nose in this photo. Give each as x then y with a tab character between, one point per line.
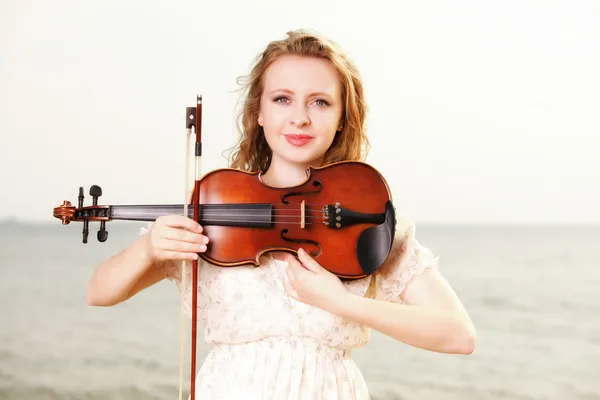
299	116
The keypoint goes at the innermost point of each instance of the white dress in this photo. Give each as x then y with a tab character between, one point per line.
269	346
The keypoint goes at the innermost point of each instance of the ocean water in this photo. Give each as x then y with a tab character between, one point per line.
533	293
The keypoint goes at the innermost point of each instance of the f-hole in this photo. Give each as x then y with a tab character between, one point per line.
316	184
313	253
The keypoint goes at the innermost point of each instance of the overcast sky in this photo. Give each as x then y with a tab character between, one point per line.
479	112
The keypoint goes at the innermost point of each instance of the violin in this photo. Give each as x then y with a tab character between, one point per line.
342	215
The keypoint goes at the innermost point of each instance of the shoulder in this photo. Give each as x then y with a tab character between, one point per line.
408	259
405	242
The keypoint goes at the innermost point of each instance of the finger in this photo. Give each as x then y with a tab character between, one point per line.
180	221
308	262
179	246
294	263
184	236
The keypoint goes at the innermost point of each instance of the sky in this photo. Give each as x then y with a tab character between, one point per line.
479	112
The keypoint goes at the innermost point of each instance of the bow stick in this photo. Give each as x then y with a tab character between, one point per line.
193	120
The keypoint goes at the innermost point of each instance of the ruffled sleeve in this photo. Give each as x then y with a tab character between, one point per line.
407	260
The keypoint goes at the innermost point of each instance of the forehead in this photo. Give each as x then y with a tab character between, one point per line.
300	74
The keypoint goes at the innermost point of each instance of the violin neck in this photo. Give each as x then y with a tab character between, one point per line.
242	215
147	212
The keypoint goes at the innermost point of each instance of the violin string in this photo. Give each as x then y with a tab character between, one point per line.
224	209
213	213
204	210
238	206
242	216
217	211
223	217
222	220
230	205
208	205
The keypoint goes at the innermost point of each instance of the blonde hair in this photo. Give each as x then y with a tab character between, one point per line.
252	152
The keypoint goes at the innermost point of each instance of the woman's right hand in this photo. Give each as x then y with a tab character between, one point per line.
175	237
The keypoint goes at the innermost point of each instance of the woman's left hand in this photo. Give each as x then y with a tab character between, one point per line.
312	284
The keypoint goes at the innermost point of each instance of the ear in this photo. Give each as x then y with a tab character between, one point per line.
260	119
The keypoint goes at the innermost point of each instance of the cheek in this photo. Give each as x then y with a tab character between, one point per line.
270	111
273	120
326	123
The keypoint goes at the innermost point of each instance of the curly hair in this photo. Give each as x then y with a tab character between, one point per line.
252	153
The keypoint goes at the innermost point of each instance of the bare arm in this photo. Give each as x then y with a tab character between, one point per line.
432	318
135	268
122	275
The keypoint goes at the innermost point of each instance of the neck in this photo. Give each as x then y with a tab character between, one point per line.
254	215
283	173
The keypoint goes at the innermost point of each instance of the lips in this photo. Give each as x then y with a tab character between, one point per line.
298	140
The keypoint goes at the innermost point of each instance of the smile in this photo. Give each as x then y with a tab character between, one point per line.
298	140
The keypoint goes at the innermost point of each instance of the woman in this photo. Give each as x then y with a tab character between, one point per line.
284	330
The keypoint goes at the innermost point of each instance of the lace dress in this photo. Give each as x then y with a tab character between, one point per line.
269	346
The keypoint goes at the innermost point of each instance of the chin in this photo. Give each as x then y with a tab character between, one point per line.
310	153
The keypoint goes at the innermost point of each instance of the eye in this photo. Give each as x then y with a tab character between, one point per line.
279	98
322	102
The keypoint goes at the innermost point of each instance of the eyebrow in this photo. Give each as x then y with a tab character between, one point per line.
291	92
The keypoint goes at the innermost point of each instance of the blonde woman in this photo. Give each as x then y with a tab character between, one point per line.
285	330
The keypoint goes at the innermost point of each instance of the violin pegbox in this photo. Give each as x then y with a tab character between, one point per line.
66	212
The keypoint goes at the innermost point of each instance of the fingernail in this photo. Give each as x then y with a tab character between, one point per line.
203	248
301	251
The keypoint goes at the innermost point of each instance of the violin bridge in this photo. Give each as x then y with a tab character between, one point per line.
302	214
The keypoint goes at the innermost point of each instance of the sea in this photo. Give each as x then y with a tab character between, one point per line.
533	293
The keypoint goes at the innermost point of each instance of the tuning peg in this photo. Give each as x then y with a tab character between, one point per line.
86	231
102	233
95	192
80	204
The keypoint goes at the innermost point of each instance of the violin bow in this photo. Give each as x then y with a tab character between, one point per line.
193	120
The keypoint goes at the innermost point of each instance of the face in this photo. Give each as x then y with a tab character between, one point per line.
300	108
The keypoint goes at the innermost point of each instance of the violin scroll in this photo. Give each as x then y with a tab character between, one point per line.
66	212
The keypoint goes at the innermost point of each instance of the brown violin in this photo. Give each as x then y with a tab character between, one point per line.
342	214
